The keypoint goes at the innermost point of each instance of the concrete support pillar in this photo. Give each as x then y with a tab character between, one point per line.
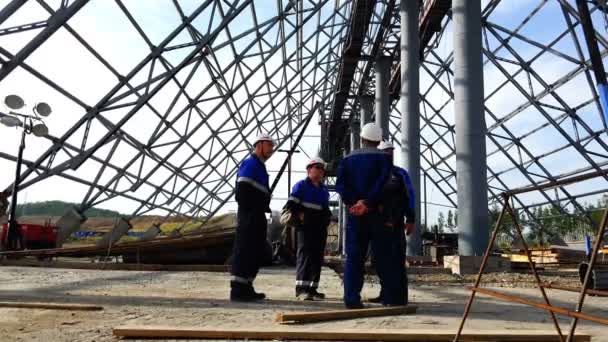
471	128
341	228
355	136
383	75
367	107
410	109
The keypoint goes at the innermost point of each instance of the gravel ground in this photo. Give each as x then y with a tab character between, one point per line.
201	299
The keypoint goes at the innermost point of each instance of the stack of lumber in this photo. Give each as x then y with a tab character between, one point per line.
206	240
554	255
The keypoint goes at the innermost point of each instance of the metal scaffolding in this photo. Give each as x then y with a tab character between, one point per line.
216	73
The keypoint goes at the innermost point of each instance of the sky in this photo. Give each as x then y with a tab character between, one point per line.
66	62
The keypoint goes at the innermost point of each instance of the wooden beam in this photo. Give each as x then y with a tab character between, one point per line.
524	301
51	306
321	316
113	266
333	335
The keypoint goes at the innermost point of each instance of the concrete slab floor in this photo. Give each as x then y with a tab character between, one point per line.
201	299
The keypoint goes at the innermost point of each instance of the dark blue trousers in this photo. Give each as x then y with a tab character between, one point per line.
360	231
393	288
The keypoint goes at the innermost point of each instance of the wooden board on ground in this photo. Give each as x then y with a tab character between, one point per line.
160	332
322	316
114	266
51	306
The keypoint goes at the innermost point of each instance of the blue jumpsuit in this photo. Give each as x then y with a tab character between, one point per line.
313	202
253	198
398	201
361	176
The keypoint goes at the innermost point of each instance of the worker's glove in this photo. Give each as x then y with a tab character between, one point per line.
358	209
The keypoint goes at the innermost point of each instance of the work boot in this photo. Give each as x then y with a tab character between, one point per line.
257	295
376	300
305	296
354	306
317	295
240	292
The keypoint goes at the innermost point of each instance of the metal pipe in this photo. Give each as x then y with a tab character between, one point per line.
13	235
293	147
550	308
596	247
410	109
341	230
531	263
594	55
556	183
355	135
383	103
574	289
484	262
471	168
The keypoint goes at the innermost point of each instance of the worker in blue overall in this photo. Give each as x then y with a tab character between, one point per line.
361	177
398	201
309	201
253	198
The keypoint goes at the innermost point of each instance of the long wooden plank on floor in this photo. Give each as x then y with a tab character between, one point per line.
114	266
51	306
160	332
321	316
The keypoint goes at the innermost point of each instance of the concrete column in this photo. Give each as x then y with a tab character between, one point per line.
470	129
355	133
410	109
367	107
341	228
383	75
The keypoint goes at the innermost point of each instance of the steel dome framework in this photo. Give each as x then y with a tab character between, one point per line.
166	124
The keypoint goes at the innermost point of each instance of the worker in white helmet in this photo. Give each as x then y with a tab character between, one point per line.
360	179
309	201
253	198
398	201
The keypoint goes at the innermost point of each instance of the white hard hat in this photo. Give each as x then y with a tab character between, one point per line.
315	161
386	145
263	137
372	132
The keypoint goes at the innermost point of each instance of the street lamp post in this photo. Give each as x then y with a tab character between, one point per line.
13	240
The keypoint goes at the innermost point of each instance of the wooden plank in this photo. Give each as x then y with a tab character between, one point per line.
322	316
160	332
113	266
51	306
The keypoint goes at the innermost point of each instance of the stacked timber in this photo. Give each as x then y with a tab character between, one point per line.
552	256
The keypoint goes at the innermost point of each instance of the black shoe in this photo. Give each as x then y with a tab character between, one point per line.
240	292
317	295
258	295
392	305
354	306
305	296
376	300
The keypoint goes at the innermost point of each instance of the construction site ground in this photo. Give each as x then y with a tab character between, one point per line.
200	299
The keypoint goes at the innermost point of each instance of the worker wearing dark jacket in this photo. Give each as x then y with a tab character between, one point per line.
360	179
253	198
398	201
309	200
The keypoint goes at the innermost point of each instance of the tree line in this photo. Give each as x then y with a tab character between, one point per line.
58	208
541	225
